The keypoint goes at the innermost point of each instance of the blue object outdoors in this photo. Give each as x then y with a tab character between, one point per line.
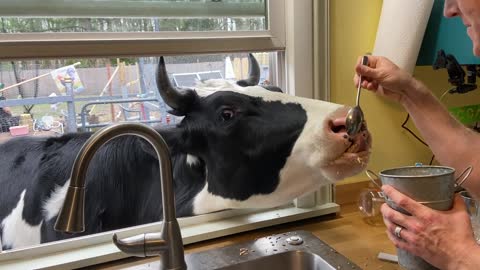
447	34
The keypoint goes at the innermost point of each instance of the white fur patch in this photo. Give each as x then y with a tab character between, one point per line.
209	87
52	206
192	160
16	231
288	190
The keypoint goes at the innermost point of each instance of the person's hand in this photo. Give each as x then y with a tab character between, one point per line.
442	238
383	77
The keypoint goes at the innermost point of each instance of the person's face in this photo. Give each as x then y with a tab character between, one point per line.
469	11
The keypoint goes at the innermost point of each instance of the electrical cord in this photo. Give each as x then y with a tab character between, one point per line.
415	135
411	132
443	95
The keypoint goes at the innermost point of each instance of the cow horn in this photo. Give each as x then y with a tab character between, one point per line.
253	73
179	101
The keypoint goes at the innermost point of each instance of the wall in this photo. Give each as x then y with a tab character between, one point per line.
353	30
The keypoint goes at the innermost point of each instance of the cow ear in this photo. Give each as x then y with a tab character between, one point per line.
176	112
170	135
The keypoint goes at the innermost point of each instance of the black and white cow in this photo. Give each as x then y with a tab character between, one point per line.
239	145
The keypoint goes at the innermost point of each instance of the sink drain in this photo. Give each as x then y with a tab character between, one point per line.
295	240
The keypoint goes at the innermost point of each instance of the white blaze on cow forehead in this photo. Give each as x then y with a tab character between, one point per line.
16	231
311	106
209	87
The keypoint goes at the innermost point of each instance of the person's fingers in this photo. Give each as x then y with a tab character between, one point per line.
396	217
359	60
365	84
459	204
366	71
355	79
405	234
372	85
372	60
409	205
399	243
390	225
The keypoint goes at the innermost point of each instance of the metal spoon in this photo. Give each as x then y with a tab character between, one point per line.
355	117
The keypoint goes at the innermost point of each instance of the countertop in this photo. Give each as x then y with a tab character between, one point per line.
347	232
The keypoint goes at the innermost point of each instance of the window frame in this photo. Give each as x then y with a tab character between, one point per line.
294	31
115	8
57	45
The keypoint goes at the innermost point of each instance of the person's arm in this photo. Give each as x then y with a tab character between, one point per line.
452	143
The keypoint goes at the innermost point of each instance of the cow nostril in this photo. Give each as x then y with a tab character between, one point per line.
337	127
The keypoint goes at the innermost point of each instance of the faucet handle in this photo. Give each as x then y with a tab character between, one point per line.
142	245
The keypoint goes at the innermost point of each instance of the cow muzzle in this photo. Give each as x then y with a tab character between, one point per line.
349	155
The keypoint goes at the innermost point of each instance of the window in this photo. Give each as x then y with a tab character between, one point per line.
113	46
106	90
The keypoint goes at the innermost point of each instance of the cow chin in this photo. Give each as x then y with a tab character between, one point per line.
348	164
353	159
326	155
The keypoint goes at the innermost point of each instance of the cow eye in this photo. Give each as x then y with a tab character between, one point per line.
227	114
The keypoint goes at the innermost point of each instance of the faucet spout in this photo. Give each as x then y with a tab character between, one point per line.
168	243
143	245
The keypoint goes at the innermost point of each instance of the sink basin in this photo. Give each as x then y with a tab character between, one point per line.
287	251
285	261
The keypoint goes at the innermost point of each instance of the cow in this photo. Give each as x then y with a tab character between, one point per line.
238	145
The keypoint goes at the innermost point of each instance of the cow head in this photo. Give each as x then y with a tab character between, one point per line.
260	147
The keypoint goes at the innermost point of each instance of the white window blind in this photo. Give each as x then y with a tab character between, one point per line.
94	28
133	8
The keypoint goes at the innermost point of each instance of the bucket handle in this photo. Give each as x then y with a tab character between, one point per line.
466	173
374	180
458	182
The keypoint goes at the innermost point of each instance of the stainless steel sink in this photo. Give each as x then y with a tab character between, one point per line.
274	252
285	261
279	252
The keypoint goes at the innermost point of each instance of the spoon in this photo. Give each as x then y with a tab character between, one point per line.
355	117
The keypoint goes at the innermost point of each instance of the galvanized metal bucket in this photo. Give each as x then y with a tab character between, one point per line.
432	186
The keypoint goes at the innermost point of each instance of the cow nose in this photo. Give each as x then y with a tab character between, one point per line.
338	125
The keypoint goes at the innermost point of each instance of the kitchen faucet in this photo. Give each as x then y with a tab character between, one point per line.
168	243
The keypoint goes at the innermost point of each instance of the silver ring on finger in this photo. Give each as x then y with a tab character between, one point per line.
398	231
